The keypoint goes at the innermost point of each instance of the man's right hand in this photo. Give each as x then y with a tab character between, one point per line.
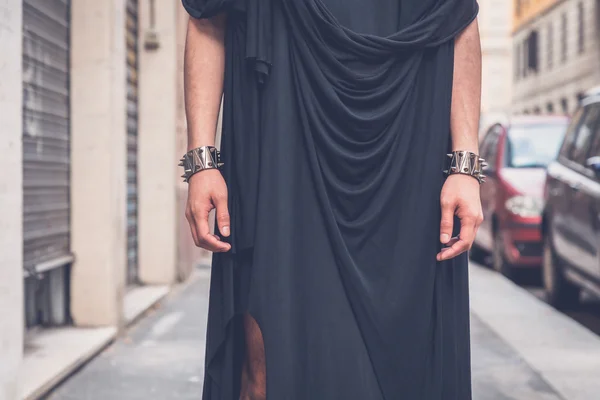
207	190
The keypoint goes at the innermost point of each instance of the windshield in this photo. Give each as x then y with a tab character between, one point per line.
533	146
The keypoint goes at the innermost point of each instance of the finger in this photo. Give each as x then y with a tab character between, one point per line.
451	242
450	252
467	234
212	243
193	228
447	246
222	215
206	238
447	222
467	230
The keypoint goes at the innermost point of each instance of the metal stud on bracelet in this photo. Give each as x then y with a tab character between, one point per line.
199	159
466	163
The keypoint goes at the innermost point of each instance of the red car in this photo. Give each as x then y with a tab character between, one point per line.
518	153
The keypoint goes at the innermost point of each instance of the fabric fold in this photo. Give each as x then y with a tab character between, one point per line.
259	37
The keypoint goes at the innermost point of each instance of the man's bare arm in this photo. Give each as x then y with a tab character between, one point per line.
466	90
460	194
204	68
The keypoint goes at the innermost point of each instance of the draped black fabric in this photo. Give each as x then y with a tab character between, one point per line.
335	125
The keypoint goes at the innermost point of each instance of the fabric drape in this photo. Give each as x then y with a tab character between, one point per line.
335	125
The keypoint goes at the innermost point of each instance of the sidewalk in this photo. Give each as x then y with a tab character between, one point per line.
563	352
162	357
498	371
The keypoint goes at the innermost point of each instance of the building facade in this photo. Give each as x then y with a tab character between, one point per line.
495	24
91	204
556	54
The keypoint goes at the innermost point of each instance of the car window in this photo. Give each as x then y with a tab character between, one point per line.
492	152
570	134
485	144
595	147
583	136
533	145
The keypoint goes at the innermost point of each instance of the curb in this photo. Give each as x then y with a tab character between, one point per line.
56	354
564	353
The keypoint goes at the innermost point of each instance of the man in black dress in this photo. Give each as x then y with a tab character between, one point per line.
340	266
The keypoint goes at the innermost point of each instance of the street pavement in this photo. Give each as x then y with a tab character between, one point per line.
162	358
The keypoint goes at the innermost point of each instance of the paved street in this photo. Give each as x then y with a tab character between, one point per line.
161	358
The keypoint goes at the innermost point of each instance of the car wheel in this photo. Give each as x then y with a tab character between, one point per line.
560	293
499	262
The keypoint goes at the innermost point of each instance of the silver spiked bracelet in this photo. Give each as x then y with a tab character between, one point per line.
466	163
199	159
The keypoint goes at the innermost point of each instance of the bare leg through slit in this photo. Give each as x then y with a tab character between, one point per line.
254	372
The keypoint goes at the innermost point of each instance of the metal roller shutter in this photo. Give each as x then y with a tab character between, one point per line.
132	140
46	141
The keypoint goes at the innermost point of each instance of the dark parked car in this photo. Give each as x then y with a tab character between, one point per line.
571	222
518	152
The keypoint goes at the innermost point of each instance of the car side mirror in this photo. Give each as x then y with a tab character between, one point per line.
594	164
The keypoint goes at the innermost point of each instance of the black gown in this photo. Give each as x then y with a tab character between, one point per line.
335	128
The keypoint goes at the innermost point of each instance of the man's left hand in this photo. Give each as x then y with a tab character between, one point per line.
460	197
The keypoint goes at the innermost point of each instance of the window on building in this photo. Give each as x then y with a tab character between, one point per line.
550	45
532	51
537	110
525	58
517	62
563	38
564	105
550	108
580	28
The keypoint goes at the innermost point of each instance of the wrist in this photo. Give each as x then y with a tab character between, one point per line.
464	162
472	147
200	159
463	179
198	139
466	143
200	143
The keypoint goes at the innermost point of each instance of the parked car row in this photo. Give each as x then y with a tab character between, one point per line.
542	200
518	152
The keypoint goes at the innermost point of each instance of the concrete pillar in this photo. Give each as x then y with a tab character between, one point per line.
11	195
157	157
98	151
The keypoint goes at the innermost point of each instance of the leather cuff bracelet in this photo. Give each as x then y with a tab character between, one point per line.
199	159
466	163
